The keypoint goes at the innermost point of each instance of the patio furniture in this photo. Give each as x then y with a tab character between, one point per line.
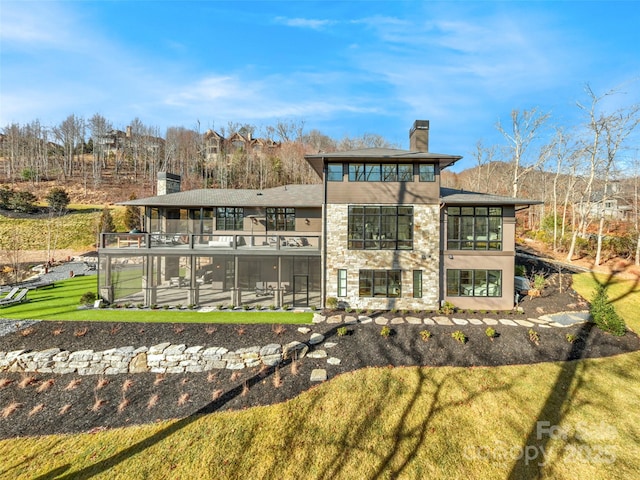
19	298
11	294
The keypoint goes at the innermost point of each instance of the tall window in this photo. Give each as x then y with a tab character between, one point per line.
334	172
229	218
380	283
427	172
380	228
474	228
342	283
474	283
281	219
417	284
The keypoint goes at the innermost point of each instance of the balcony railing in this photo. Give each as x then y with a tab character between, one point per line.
231	241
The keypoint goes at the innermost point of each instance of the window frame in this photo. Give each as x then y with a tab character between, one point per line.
332	173
382	281
472	287
342	283
427	176
375	227
417	284
281	219
477	224
231	217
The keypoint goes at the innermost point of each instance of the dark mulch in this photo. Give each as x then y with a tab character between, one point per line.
62	407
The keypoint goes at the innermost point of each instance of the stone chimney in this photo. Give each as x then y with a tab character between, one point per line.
419	136
168	183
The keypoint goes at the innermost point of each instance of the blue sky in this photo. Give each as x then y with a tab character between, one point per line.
345	68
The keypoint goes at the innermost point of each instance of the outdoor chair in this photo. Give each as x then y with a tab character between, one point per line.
11	294
19	298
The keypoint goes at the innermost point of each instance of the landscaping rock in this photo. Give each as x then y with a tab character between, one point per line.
318	375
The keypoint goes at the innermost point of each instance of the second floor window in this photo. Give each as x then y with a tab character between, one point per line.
474	228
229	218
281	219
380	228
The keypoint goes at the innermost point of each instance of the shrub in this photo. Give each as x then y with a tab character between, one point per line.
447	308
58	200
332	303
425	335
348	309
88	298
534	336
459	336
491	333
22	202
520	271
246	307
342	331
272	307
385	331
604	315
571	337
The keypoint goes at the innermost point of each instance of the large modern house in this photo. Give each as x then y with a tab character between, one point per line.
379	232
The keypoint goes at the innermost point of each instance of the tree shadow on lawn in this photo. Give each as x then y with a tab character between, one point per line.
534	452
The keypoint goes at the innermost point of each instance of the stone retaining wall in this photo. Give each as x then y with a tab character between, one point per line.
161	358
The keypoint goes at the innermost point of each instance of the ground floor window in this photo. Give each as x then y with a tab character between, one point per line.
417	284
380	283
342	283
474	283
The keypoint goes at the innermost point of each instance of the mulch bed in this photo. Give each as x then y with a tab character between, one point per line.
47	403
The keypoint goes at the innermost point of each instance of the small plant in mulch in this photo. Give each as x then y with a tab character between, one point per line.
5	382
294	367
183	399
179	306
211	330
159	379
285	307
178	328
126	385
571	337
332	303
73	384
166	307
245	389
272	307
425	335
37	409
447	308
80	332
491	333
153	306
235	376
127	305
459	336
220	306
46	385
231	306
385	331
537	285
57	331
313	308
191	306
342	331
64	409
216	394
247	307
26	381
534	336
115	329
348	309
9	409
258	307
102	382
277	379
394	311
278	329
140	306
27	331
153	401
97	404
124	403
212	377
241	331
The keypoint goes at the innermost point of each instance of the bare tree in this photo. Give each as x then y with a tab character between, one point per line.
524	130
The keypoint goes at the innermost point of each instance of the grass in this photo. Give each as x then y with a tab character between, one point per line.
61	303
437	426
413	422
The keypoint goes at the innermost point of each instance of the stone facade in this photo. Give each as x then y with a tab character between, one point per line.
424	256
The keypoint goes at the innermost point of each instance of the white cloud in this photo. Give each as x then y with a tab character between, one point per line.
313	24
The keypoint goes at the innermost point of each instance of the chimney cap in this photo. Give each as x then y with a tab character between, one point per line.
420	125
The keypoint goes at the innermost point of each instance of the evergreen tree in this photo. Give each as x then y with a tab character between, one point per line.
58	200
132	216
107	224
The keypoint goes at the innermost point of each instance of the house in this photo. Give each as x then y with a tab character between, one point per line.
379	232
217	147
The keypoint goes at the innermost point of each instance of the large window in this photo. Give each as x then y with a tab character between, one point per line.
474	228
376	172
281	219
229	218
474	283
380	228
380	283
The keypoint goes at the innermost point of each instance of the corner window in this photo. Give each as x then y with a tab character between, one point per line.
380	283
474	283
474	228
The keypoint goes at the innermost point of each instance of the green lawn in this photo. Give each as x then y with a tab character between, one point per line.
439	423
61	303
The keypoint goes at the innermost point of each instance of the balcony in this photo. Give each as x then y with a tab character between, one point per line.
209	242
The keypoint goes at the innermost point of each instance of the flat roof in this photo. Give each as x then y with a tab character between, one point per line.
451	196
